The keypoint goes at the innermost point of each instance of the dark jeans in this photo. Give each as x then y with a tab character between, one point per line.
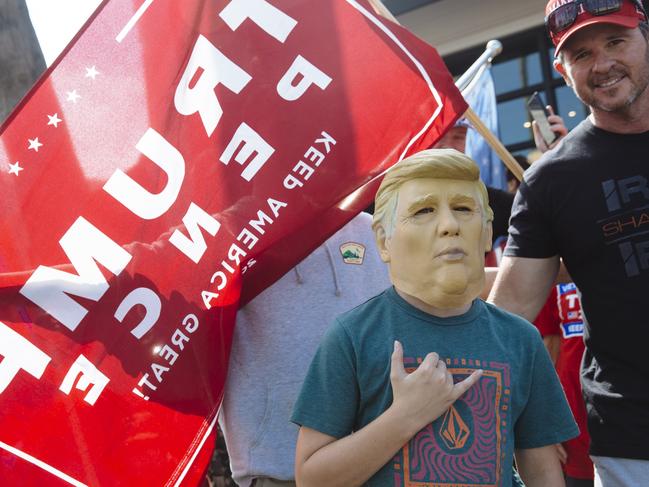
573	482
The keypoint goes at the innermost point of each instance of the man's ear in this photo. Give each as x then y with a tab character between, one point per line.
488	235
382	243
561	69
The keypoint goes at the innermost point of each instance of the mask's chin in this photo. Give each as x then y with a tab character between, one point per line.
453	289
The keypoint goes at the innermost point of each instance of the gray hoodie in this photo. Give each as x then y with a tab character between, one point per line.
275	338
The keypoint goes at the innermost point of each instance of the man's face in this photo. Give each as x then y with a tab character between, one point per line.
436	251
607	66
455	138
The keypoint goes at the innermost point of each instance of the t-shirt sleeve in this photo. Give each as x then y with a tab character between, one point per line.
546	418
328	400
530	225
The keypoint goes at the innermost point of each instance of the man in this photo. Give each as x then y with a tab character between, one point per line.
275	338
585	201
424	383
455	137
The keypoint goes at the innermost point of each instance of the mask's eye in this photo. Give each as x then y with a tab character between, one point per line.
423	211
463	208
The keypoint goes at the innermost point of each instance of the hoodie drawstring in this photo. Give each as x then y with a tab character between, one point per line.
333	270
330	258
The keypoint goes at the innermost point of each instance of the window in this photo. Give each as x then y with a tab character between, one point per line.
513	122
517	73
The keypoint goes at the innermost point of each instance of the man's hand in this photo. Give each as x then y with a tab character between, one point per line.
425	394
556	125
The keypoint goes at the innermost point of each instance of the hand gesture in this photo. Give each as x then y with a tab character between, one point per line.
425	394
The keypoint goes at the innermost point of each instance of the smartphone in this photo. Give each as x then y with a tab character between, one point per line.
540	114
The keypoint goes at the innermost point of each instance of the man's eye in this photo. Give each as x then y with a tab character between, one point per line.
580	55
423	211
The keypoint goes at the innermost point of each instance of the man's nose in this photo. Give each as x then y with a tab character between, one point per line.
603	62
448	223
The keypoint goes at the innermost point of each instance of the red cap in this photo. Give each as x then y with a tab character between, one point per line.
629	16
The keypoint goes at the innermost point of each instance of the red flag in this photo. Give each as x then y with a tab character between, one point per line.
175	161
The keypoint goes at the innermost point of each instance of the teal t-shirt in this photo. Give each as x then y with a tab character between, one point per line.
517	403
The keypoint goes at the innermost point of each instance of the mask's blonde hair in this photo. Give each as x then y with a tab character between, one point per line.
433	164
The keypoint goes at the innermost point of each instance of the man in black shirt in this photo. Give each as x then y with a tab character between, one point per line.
587	201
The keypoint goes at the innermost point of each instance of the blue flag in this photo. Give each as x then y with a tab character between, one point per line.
482	99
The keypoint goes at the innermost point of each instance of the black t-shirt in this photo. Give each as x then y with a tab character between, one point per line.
501	204
588	202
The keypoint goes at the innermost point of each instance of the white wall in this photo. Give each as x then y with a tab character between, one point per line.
455	25
57	22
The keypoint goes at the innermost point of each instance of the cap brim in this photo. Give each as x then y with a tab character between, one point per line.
622	20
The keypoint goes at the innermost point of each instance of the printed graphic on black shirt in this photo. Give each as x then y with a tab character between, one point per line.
627	225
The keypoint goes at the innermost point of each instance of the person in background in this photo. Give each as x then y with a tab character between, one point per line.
585	202
275	338
494	256
561	323
512	182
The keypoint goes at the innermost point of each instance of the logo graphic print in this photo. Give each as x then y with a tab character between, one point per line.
353	253
572	324
465	446
454	431
627	221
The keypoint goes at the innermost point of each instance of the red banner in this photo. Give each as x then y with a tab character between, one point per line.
176	160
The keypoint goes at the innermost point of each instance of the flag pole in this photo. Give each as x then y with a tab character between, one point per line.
465	83
382	10
498	147
470	115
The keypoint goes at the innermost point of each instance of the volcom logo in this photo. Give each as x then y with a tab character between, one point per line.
454	430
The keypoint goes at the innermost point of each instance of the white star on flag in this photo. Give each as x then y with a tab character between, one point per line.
91	72
34	144
54	120
73	96
15	168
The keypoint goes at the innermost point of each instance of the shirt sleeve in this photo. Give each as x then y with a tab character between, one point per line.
329	398
530	225
546	418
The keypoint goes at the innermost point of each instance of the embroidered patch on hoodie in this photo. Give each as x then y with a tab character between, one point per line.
353	253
